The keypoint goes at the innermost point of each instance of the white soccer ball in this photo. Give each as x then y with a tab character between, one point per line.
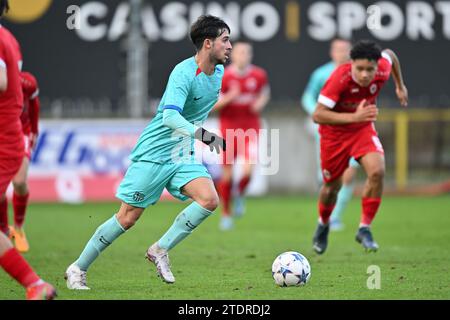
291	269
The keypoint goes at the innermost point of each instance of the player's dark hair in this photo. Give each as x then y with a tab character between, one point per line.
4	7
207	27
366	49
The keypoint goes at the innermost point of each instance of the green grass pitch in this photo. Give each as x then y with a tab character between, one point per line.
413	234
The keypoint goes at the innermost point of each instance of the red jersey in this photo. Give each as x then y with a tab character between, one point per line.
30	113
10	58
251	84
342	94
11	138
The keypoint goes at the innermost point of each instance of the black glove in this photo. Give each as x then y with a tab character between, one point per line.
210	139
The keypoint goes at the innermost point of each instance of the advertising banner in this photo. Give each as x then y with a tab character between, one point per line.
77	161
81	60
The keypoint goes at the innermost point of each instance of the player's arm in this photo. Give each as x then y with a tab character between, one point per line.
226	98
400	88
3	76
364	113
174	120
309	97
328	98
262	100
34	108
177	91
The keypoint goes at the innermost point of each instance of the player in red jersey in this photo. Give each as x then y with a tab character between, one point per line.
11	155
29	119
346	112
245	92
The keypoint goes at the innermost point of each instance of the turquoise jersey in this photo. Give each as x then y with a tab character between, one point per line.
315	84
193	94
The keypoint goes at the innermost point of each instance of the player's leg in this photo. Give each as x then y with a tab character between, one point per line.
344	195
194	183
4	226
239	200
20	203
226	181
13	263
318	161
142	186
327	200
335	156
18	268
106	233
8	169
202	192
103	237
374	166
225	185
250	155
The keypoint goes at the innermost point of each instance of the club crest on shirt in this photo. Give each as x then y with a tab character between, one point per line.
373	88
251	84
326	174
138	196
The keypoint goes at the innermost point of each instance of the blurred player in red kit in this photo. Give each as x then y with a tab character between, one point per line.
11	157
346	113
29	119
245	92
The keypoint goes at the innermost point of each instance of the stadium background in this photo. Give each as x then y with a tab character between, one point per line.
85	74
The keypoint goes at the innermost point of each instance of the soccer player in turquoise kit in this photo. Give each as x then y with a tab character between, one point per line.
164	155
339	53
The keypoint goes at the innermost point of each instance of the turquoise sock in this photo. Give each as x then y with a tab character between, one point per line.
186	221
102	238
343	198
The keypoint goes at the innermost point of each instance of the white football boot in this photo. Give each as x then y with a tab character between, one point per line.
76	278
160	258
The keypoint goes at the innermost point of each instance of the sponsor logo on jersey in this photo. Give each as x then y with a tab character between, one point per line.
326	174
251	84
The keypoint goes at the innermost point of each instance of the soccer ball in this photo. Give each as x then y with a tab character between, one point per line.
291	269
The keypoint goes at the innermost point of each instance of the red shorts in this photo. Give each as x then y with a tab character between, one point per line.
242	144
8	169
337	149
11	150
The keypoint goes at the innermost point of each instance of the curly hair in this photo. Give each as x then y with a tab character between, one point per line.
366	49
207	27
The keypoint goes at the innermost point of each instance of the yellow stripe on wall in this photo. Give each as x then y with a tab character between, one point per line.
401	149
292	27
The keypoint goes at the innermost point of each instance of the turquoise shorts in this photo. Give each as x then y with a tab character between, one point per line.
145	181
353	163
